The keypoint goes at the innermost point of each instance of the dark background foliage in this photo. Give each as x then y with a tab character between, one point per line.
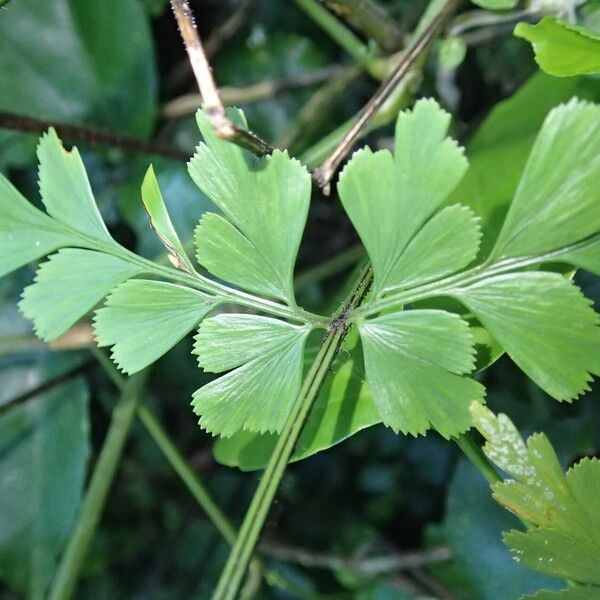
115	65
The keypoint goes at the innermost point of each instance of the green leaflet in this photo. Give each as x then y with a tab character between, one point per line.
68	285
544	323
414	361
265	203
587	258
344	407
556	202
44	449
143	319
26	233
562	49
266	356
572	593
496	4
447	243
66	190
160	221
388	198
564	534
498	151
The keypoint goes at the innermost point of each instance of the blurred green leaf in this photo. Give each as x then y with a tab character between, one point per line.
78	61
43	454
452	52
572	593
562	49
496	4
473	526
143	319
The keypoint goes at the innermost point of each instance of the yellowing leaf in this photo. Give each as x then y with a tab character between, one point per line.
564	524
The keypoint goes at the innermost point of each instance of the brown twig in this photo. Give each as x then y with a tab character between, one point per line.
91	135
215	111
370	566
325	172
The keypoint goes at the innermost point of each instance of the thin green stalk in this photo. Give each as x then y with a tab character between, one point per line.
472	450
338	32
173	455
316	154
452	284
237	563
187	475
90	511
202	283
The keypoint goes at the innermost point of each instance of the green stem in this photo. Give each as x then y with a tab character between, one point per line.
187	475
237	563
472	450
173	455
338	32
202	283
90	511
452	285
316	154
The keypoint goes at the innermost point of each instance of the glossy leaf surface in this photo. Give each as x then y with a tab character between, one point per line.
556	202
43	455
